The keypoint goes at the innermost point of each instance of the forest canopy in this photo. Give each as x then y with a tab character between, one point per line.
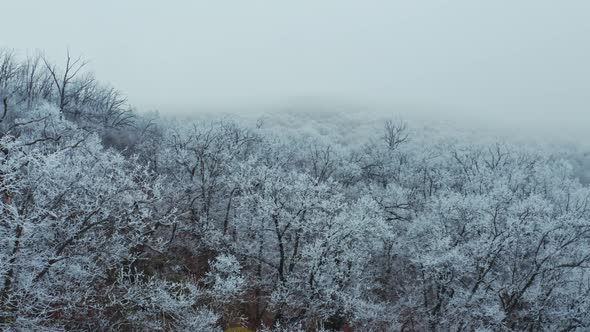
117	220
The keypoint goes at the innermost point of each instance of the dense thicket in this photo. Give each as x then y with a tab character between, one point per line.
116	221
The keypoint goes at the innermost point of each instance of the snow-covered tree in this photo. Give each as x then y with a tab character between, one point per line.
112	220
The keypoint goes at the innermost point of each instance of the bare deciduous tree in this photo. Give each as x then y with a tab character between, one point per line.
64	80
395	134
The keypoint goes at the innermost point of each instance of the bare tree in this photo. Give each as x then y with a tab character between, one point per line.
64	80
395	134
322	162
111	109
8	68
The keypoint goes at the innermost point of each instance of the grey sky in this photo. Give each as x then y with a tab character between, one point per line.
509	56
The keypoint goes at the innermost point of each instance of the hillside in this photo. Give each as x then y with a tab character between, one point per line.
115	220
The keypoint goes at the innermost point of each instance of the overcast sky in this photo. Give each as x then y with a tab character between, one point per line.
495	56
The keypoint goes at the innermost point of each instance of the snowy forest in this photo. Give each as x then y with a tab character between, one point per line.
114	219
